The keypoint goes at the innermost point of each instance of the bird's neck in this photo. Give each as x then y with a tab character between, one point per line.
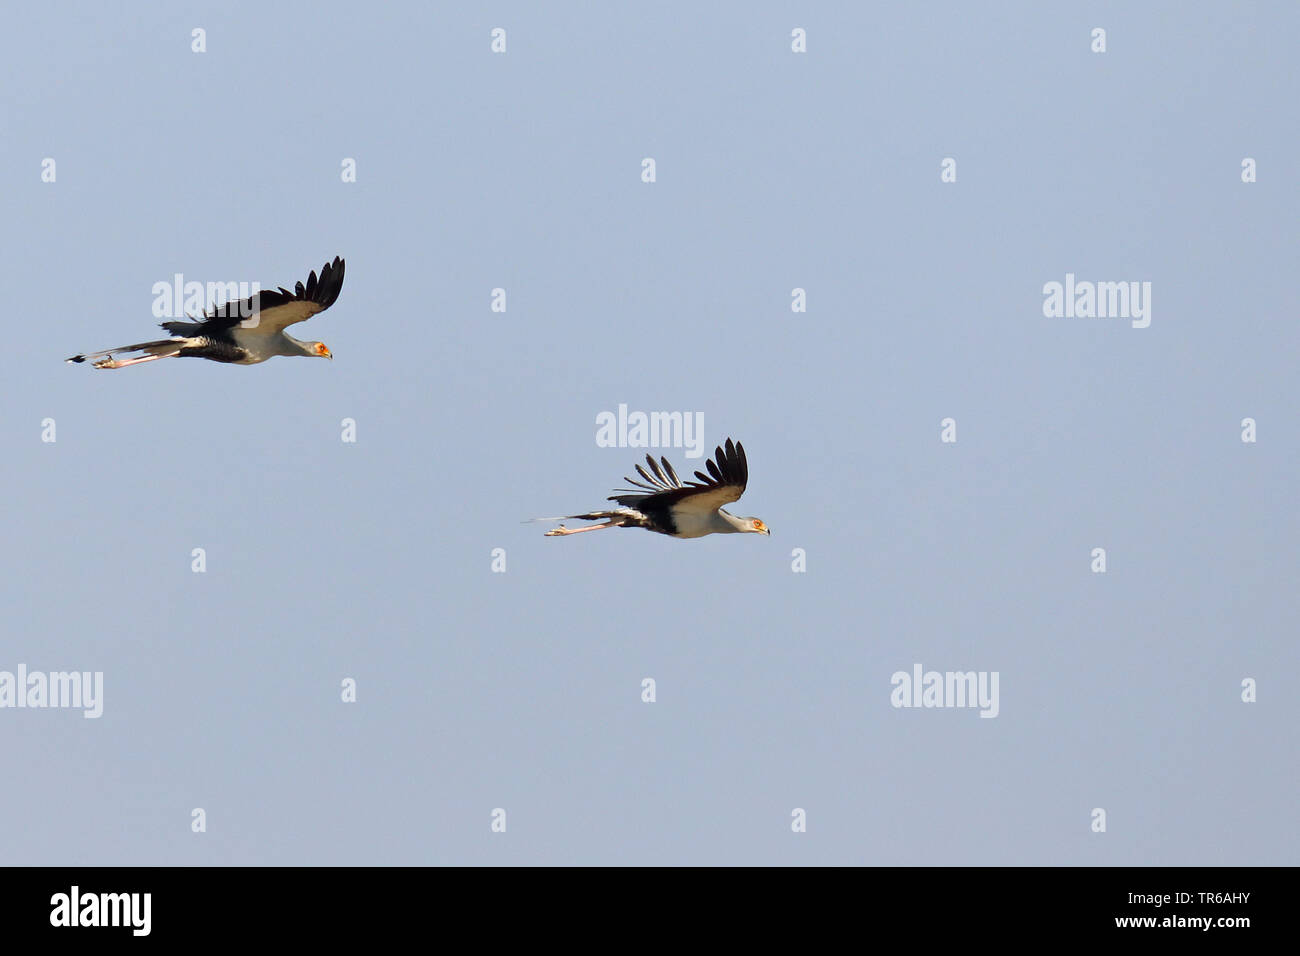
296	346
730	523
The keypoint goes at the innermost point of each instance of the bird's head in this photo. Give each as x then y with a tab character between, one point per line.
318	348
756	525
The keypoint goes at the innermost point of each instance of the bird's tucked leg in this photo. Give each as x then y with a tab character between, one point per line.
111	362
611	523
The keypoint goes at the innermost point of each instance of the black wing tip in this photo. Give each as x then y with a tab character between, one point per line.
76	359
324	291
728	465
738	463
322	288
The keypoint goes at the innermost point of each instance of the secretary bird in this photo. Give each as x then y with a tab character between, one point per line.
241	333
669	506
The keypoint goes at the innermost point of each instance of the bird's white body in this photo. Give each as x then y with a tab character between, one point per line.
262	344
688	523
695	524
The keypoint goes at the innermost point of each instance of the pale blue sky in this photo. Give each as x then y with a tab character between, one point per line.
775	170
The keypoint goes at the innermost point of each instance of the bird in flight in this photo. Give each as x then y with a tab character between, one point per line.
667	506
241	333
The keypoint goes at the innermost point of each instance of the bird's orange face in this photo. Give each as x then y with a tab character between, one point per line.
322	351
760	527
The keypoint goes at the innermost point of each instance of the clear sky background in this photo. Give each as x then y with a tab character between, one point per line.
775	170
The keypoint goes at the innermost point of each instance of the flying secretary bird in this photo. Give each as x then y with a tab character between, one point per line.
244	332
667	506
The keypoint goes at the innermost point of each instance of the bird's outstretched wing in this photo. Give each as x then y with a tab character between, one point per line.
271	311
724	484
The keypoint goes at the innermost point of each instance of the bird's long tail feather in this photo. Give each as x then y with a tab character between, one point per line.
161	348
592	516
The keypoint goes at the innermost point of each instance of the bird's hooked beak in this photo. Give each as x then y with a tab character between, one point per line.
762	528
324	352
